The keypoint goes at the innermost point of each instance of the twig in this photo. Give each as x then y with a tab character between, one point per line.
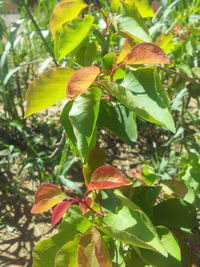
184	76
58	145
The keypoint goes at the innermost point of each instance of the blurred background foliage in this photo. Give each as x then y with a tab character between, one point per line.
28	151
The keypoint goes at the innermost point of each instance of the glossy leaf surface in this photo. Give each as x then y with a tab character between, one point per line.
131	25
92	252
81	80
83	116
146	53
47	89
46	197
119	120
106	177
64	12
142	92
68	39
58	211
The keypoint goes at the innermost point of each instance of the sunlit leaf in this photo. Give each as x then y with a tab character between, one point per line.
58	211
46	197
143	8
47	89
141	91
81	81
146	53
96	159
165	42
92	252
67	255
83	117
64	12
119	120
170	244
130	24
126	48
106	177
68	39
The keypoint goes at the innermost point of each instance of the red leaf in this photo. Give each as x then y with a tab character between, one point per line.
59	211
83	207
47	196
146	53
81	80
106	177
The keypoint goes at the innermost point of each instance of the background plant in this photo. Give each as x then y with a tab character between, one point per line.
179	86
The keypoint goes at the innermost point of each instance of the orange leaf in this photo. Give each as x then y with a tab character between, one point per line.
146	53
92	251
46	197
126	47
106	177
59	211
81	80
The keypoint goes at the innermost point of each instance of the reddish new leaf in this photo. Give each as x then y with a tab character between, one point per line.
81	80
59	211
92	251
47	196
106	177
84	207
146	53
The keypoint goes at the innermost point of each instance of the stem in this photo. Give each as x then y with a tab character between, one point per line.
114	70
184	76
105	71
98	200
58	145
99	84
99	9
85	203
39	32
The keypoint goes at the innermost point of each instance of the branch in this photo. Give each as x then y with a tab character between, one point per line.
184	76
58	145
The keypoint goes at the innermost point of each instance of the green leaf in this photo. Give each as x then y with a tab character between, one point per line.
83	117
79	119
66	123
119	120
142	92
45	251
95	159
170	244
165	213
67	255
48	89
68	39
64	12
131	24
131	225
145	197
